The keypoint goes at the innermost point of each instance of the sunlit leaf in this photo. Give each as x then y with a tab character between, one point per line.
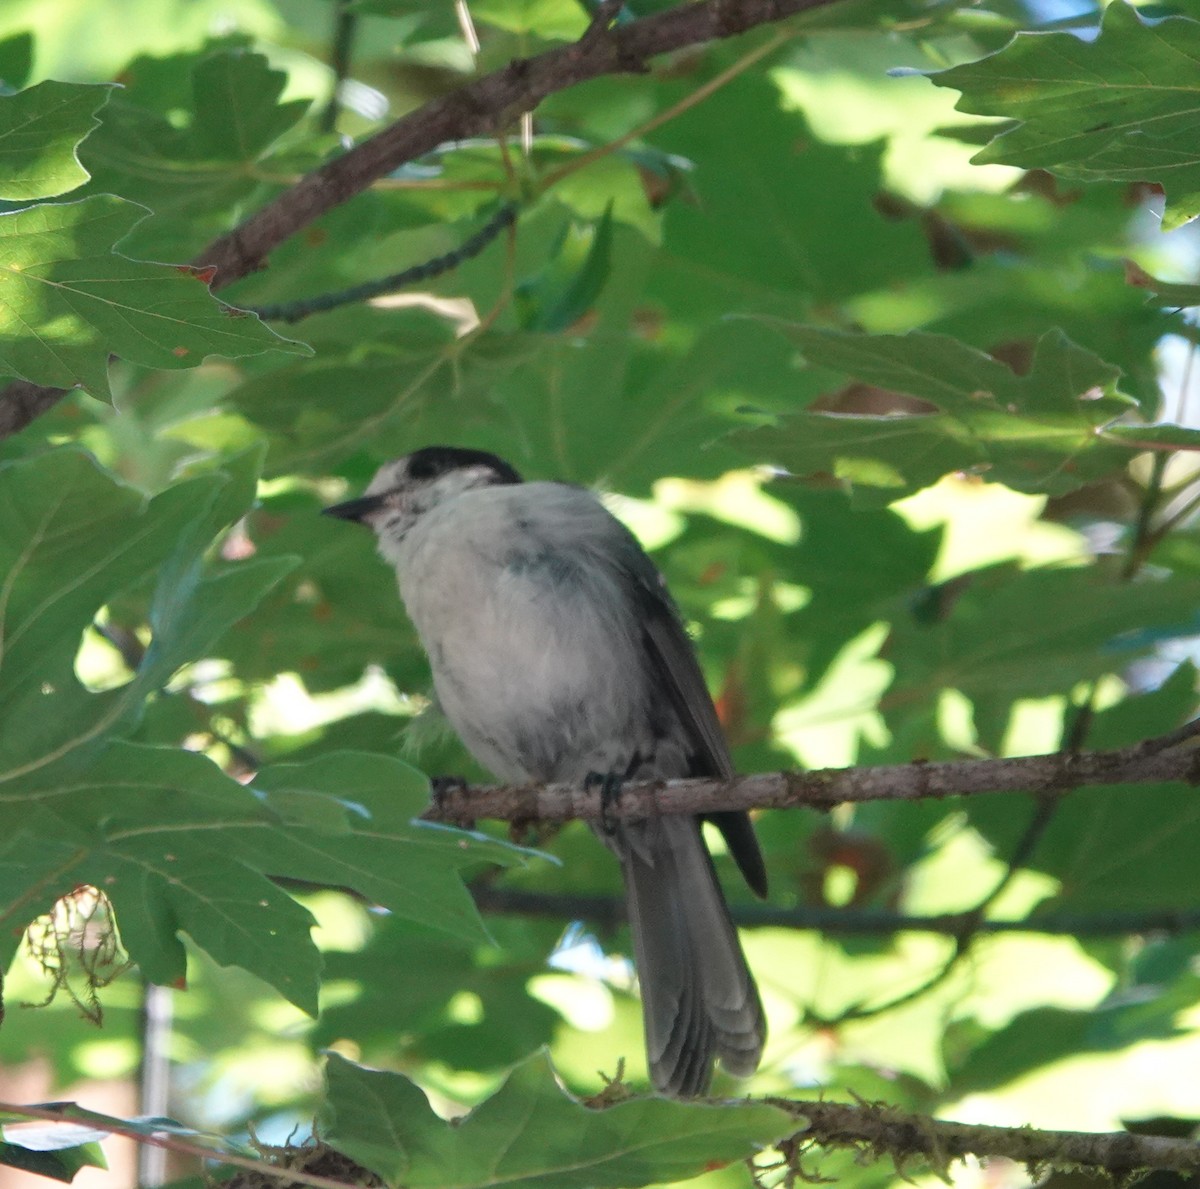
531	1133
67	300
1120	107
184	138
176	845
39	131
1035	432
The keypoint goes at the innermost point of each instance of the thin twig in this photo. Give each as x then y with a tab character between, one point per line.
607	912
294	311
873	1129
76	1114
345	23
971	921
1144	538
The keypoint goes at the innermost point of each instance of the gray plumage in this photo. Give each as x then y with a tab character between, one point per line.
558	654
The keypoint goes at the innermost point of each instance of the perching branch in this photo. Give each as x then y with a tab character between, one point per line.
1152	761
877	1130
479	108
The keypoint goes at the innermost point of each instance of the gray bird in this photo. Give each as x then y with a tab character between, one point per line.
558	655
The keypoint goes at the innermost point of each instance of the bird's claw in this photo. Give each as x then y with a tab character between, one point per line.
610	785
441	794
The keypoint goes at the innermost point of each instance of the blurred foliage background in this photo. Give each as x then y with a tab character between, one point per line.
907	419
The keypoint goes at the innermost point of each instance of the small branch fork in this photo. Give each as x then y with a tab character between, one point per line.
1153	761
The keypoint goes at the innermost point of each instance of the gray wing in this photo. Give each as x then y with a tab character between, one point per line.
673	660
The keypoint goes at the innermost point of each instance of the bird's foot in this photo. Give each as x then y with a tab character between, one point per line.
610	785
443	790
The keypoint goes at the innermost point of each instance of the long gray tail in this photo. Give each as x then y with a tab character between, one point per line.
699	1001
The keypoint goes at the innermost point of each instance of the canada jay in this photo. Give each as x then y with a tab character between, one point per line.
559	656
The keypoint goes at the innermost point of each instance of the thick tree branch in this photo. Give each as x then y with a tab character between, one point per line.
479	108
606	912
879	1130
1152	761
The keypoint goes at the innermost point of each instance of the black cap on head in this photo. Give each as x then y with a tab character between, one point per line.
431	461
423	466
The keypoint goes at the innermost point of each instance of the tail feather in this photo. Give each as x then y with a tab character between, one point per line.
699	1000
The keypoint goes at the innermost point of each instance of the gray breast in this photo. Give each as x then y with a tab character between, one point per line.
535	650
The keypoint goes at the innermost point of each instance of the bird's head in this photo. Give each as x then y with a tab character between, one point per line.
404	489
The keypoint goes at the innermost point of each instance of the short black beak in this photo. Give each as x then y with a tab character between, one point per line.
356	510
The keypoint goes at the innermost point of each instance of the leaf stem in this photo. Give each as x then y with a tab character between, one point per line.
345	24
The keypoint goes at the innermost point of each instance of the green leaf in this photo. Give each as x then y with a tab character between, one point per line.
1036	432
1048	1034
237	109
183	139
194	604
568	286
531	1133
67	301
1163	293
75	538
16	61
59	1164
773	242
1164	438
1122	107
1120	847
406	972
237	919
72	537
153	828
39	131
562	20
163	832
354	620
378	846
861	566
178	847
44	1136
1005	633
60	1149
